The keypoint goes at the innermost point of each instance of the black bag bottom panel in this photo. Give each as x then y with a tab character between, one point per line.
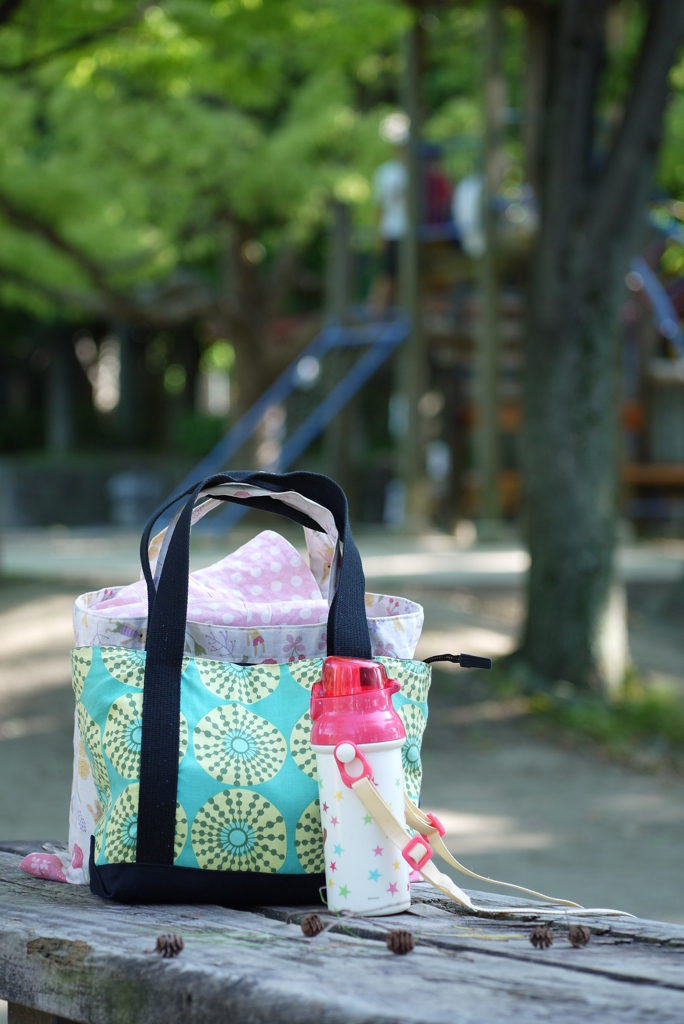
162	883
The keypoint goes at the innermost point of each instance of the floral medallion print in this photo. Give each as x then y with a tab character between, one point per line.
239	830
123	734
238	747
126	666
300	746
246	683
415	677
81	660
309	839
306	673
414	723
122	828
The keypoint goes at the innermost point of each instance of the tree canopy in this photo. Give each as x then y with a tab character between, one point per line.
136	138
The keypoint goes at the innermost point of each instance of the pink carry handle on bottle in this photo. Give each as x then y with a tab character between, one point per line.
355	732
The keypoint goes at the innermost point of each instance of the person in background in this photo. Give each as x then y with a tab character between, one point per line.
390	195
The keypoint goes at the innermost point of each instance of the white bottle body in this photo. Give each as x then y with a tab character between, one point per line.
365	872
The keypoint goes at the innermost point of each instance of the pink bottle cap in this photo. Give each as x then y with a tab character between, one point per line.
353	701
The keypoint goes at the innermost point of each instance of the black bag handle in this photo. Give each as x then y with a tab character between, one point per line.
347	636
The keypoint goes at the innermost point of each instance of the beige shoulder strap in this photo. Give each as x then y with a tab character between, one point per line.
418	851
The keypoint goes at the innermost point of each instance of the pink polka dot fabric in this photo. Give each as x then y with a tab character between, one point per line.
265	582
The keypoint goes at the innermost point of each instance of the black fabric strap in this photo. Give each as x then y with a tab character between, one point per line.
347	636
464	660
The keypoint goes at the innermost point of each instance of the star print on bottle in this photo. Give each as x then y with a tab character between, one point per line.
359	858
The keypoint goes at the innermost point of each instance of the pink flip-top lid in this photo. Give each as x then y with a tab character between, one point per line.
353	701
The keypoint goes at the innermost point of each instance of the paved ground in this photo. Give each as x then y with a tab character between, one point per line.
517	805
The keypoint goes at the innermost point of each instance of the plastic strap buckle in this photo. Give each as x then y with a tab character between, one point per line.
348	755
436	824
417	840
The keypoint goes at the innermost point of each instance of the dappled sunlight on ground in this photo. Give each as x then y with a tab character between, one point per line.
480	833
35	639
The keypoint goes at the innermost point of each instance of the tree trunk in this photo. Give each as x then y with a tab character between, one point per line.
411	364
590	220
249	304
59	432
488	439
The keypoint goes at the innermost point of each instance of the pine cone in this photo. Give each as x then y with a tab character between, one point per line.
169	945
400	941
541	936
578	935
312	925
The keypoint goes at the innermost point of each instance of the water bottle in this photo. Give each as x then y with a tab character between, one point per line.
355	730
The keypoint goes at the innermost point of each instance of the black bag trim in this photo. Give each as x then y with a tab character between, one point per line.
464	660
161	883
348	636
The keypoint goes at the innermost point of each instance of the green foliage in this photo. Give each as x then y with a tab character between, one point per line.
135	136
640	716
195	435
635	719
133	153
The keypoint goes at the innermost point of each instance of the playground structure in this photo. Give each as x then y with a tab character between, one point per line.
306	397
354	344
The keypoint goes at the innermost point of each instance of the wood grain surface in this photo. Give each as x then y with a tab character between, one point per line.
65	952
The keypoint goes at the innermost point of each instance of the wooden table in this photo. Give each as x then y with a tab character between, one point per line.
66	953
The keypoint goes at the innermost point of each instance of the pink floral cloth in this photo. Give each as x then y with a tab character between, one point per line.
265	581
44	865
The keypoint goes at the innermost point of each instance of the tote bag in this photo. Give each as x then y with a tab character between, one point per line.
203	768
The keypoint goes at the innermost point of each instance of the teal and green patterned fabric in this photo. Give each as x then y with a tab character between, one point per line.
247	787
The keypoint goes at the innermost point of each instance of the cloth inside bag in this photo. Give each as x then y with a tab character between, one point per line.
264	582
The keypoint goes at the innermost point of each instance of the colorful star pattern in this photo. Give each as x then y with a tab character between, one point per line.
392	888
325	807
338	794
378	851
396	865
398	783
374	875
333	821
367	819
333	865
344	891
339	849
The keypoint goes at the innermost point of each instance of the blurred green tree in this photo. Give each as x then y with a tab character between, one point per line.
163	163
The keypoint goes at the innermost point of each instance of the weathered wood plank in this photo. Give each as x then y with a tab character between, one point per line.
65	952
25	1015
